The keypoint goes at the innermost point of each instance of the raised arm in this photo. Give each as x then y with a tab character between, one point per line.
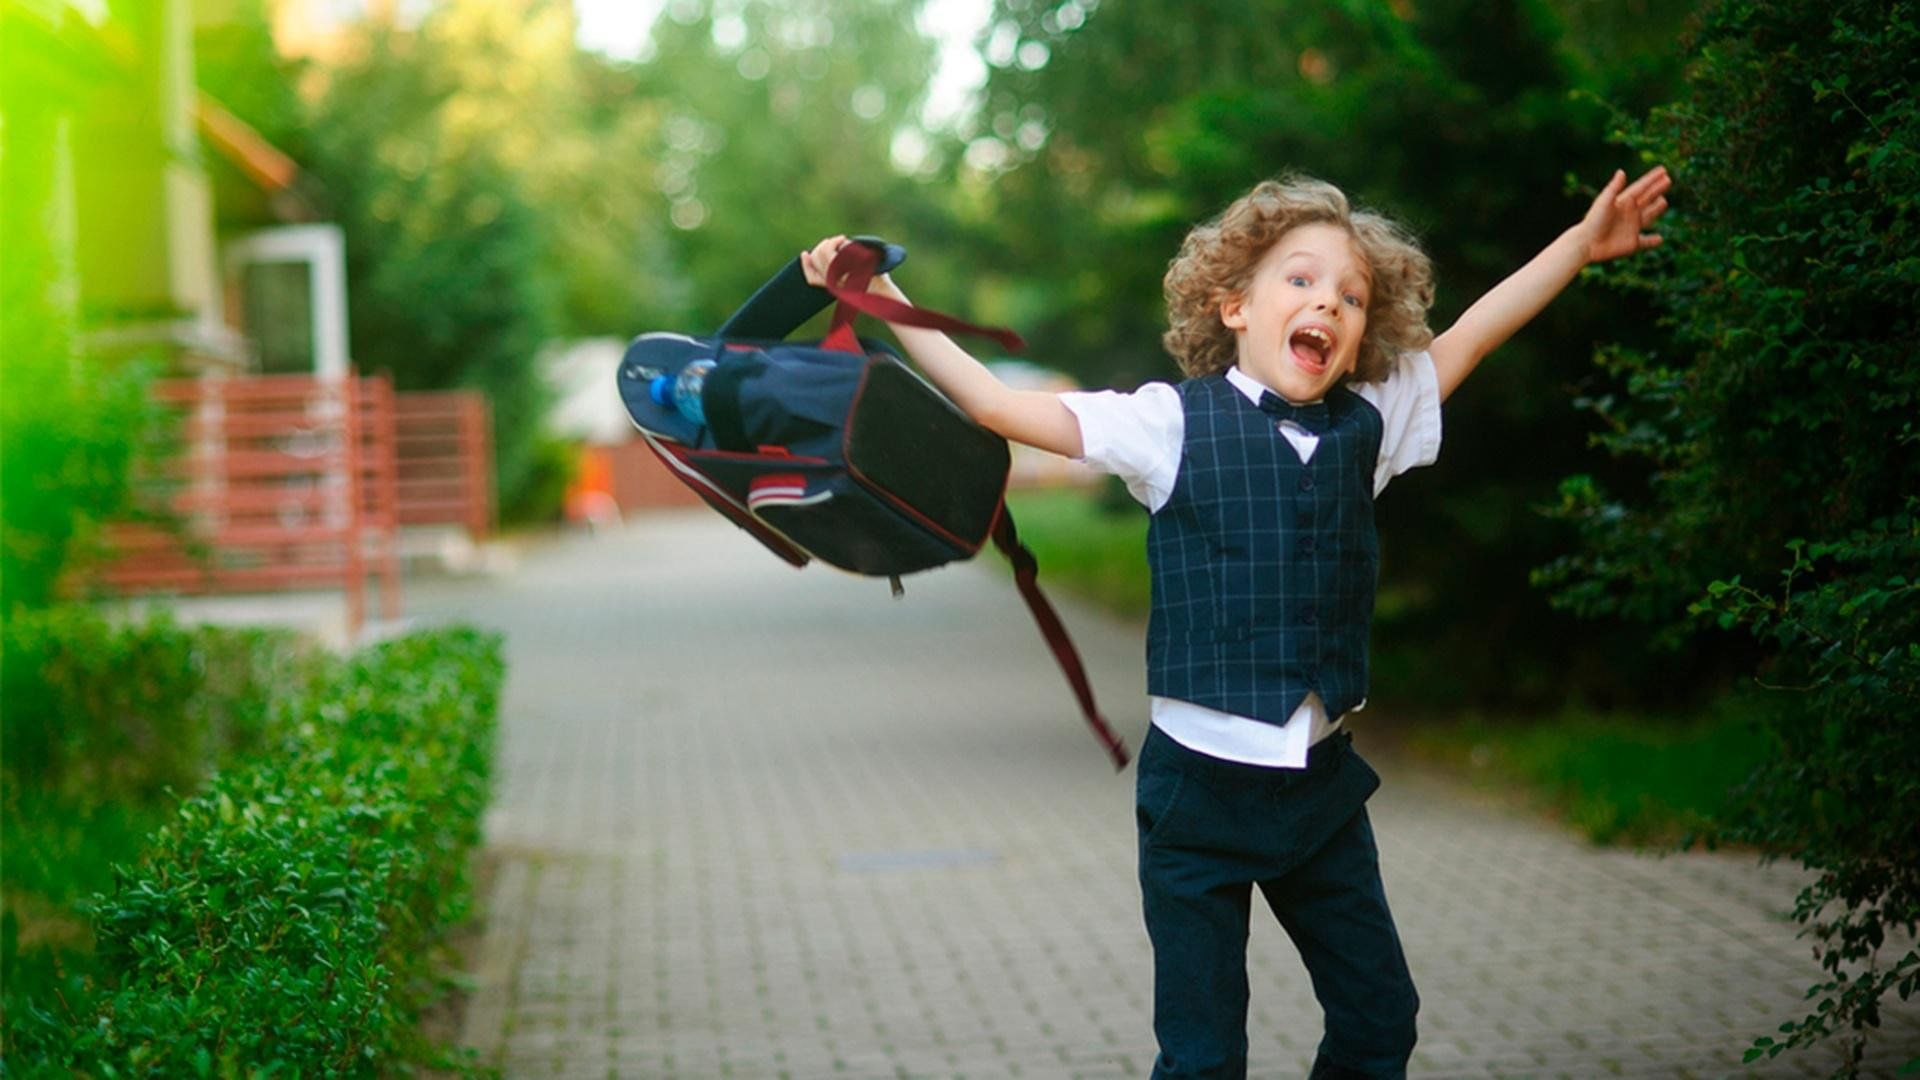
1034	417
1614	227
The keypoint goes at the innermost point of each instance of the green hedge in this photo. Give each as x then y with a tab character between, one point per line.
125	711
284	922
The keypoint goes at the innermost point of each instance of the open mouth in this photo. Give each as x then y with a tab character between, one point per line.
1312	347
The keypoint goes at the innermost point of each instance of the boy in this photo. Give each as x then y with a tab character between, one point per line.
1312	381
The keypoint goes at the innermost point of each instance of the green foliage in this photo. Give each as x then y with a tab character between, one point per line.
443	247
70	424
1776	430
774	123
104	726
284	921
70	428
1843	794
128	711
543	498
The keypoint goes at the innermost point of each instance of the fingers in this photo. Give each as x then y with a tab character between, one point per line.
1648	197
1612	193
814	263
1645	187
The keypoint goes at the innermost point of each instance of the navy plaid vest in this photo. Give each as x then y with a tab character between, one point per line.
1264	567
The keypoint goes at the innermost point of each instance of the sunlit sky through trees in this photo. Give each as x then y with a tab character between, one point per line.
619	28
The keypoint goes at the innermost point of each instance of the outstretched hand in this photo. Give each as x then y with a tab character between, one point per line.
1617	221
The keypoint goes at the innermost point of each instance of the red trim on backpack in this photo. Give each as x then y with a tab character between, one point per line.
717	497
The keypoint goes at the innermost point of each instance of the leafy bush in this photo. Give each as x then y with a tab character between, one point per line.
1843	794
70	428
126	711
103	725
1778	428
284	922
553	464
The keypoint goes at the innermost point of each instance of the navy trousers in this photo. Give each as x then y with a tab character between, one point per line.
1212	830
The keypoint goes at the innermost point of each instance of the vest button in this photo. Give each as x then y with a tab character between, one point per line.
1306	483
1309	617
1306	545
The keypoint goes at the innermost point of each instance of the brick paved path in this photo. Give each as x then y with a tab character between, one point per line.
756	822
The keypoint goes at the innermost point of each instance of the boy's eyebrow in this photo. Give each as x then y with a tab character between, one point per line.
1361	275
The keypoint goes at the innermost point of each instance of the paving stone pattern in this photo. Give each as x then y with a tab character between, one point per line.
758	822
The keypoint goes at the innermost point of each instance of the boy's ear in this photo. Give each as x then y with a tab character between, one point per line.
1233	311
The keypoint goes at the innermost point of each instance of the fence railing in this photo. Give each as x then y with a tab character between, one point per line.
284	482
444	450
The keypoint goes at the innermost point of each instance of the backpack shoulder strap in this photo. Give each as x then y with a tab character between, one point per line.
780	306
1026	570
855	266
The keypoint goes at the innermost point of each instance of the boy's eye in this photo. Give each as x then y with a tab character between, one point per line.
1297	279
1355	301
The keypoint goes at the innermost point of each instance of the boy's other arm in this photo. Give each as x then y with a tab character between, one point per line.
1035	417
1612	228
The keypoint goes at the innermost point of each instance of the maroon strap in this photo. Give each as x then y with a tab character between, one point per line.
1025	571
847	280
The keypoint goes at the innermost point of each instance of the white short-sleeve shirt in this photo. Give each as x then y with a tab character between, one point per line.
1139	438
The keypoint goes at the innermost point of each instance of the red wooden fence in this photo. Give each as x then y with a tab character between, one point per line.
379	487
275	484
444	446
282	482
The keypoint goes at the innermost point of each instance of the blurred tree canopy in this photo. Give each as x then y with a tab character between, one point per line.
1113	128
444	246
775	127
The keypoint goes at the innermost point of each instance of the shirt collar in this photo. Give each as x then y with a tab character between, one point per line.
1249	385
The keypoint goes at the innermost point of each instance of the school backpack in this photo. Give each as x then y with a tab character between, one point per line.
835	449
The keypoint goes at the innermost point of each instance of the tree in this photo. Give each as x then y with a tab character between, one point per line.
776	122
1776	428
445	253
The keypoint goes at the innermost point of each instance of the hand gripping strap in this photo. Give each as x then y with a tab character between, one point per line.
1025	571
847	280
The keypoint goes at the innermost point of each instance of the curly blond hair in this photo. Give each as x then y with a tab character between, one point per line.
1218	259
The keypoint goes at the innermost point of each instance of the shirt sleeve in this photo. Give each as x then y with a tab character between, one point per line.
1136	437
1409	404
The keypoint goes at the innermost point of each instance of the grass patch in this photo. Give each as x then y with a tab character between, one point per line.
1616	779
1087	545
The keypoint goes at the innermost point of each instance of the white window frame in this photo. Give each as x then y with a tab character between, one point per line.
324	249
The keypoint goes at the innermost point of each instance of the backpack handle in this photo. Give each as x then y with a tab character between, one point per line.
847	278
786	301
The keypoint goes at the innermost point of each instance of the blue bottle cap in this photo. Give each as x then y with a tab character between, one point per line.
660	389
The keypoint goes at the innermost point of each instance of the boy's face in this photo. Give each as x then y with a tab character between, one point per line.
1299	323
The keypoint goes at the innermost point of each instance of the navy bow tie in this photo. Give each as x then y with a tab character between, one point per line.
1313	417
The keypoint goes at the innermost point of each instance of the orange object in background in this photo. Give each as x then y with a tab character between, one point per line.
590	496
